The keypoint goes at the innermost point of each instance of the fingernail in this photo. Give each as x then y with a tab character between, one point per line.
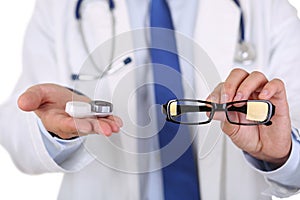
238	96
117	131
224	98
118	122
211	98
264	93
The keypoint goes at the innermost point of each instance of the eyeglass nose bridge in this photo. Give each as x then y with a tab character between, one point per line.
219	106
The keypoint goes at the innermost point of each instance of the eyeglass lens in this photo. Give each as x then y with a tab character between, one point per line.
190	111
249	112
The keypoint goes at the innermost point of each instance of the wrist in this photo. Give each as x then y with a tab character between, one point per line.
57	136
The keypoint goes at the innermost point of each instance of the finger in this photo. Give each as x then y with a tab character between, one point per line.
31	99
87	126
67	128
231	84
102	127
105	126
275	88
275	92
215	95
97	125
229	129
69	125
60	124
40	94
253	83
117	119
215	98
113	125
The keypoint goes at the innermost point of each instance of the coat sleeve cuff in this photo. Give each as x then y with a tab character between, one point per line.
57	148
284	181
60	155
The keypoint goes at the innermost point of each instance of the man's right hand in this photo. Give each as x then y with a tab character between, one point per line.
48	102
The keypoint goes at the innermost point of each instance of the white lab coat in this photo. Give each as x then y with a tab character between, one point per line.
51	44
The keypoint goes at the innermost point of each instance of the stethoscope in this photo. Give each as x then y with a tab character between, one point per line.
109	69
245	53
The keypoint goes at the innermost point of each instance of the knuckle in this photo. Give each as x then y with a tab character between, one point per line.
239	71
256	73
228	88
259	75
70	128
244	89
278	81
220	85
218	88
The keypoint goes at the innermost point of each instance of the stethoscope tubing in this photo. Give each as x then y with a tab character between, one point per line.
78	17
111	4
242	22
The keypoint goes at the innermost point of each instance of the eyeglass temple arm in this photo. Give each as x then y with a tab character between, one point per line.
273	110
272	114
164	109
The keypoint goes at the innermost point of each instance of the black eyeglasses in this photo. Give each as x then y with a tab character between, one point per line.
196	112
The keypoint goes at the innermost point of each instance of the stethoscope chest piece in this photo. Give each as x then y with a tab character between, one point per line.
245	53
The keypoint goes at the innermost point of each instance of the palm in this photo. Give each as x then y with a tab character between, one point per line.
48	102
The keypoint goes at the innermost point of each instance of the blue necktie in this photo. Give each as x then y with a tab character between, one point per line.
180	178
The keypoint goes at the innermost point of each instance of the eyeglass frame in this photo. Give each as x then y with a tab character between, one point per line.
217	107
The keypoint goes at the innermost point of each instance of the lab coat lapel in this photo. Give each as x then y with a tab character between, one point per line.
217	33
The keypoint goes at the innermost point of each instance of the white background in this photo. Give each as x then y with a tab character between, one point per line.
14	16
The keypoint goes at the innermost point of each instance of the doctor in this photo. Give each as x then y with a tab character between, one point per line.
245	163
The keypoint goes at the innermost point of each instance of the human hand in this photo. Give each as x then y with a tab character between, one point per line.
48	102
269	143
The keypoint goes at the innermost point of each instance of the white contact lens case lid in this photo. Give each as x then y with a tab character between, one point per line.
80	109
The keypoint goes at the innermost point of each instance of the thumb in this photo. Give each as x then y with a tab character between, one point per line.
31	99
229	129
